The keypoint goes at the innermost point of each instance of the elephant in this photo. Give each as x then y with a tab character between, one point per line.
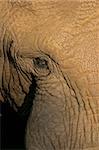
49	70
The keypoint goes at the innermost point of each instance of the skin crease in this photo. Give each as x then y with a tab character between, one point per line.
64	36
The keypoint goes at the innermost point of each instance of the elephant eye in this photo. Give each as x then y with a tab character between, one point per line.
42	66
41	63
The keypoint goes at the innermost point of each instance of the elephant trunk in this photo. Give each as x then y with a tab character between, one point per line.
66	121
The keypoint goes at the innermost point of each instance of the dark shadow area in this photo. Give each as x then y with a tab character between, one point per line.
12	129
13	124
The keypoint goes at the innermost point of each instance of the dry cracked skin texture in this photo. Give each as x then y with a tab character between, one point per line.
54	45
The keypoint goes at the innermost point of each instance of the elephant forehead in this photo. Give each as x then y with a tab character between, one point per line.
67	32
64	44
54	20
27	15
27	26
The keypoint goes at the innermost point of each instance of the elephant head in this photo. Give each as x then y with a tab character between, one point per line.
50	61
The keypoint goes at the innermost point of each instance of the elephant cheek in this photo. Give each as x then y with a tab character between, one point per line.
13	85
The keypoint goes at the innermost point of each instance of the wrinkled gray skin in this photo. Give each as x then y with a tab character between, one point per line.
53	45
